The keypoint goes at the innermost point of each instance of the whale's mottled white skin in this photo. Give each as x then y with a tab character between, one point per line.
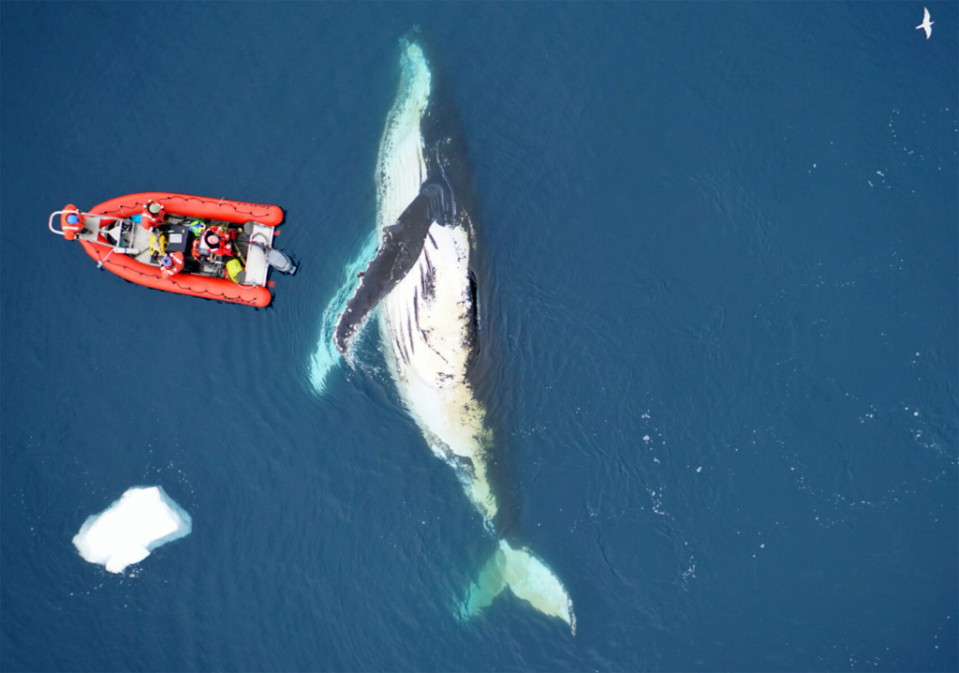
428	326
425	319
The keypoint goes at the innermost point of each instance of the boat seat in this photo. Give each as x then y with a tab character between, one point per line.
113	233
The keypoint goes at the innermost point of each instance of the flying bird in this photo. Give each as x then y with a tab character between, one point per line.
926	24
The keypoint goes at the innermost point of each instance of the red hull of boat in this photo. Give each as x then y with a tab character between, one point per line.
221	289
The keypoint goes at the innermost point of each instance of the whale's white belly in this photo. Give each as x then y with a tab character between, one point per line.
426	328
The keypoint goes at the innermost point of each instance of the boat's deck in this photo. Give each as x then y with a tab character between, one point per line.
136	238
256	267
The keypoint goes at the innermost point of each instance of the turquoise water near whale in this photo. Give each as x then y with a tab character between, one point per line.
723	277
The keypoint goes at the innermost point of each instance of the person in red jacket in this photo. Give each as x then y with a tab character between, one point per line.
153	215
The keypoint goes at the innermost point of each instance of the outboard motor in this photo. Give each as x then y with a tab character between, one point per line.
280	261
277	259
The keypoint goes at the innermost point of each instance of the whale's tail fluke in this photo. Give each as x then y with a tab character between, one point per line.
527	577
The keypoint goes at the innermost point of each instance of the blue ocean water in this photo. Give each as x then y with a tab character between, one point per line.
723	268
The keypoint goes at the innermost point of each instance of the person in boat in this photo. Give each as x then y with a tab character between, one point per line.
172	264
218	241
153	215
72	222
213	244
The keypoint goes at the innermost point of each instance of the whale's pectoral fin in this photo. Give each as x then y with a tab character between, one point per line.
527	577
400	247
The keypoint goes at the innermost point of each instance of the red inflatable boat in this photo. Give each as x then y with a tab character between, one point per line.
210	248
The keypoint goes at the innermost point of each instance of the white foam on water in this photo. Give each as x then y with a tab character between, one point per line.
143	519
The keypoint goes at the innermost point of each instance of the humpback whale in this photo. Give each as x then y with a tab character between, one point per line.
422	288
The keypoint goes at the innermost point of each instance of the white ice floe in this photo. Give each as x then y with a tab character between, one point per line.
127	531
